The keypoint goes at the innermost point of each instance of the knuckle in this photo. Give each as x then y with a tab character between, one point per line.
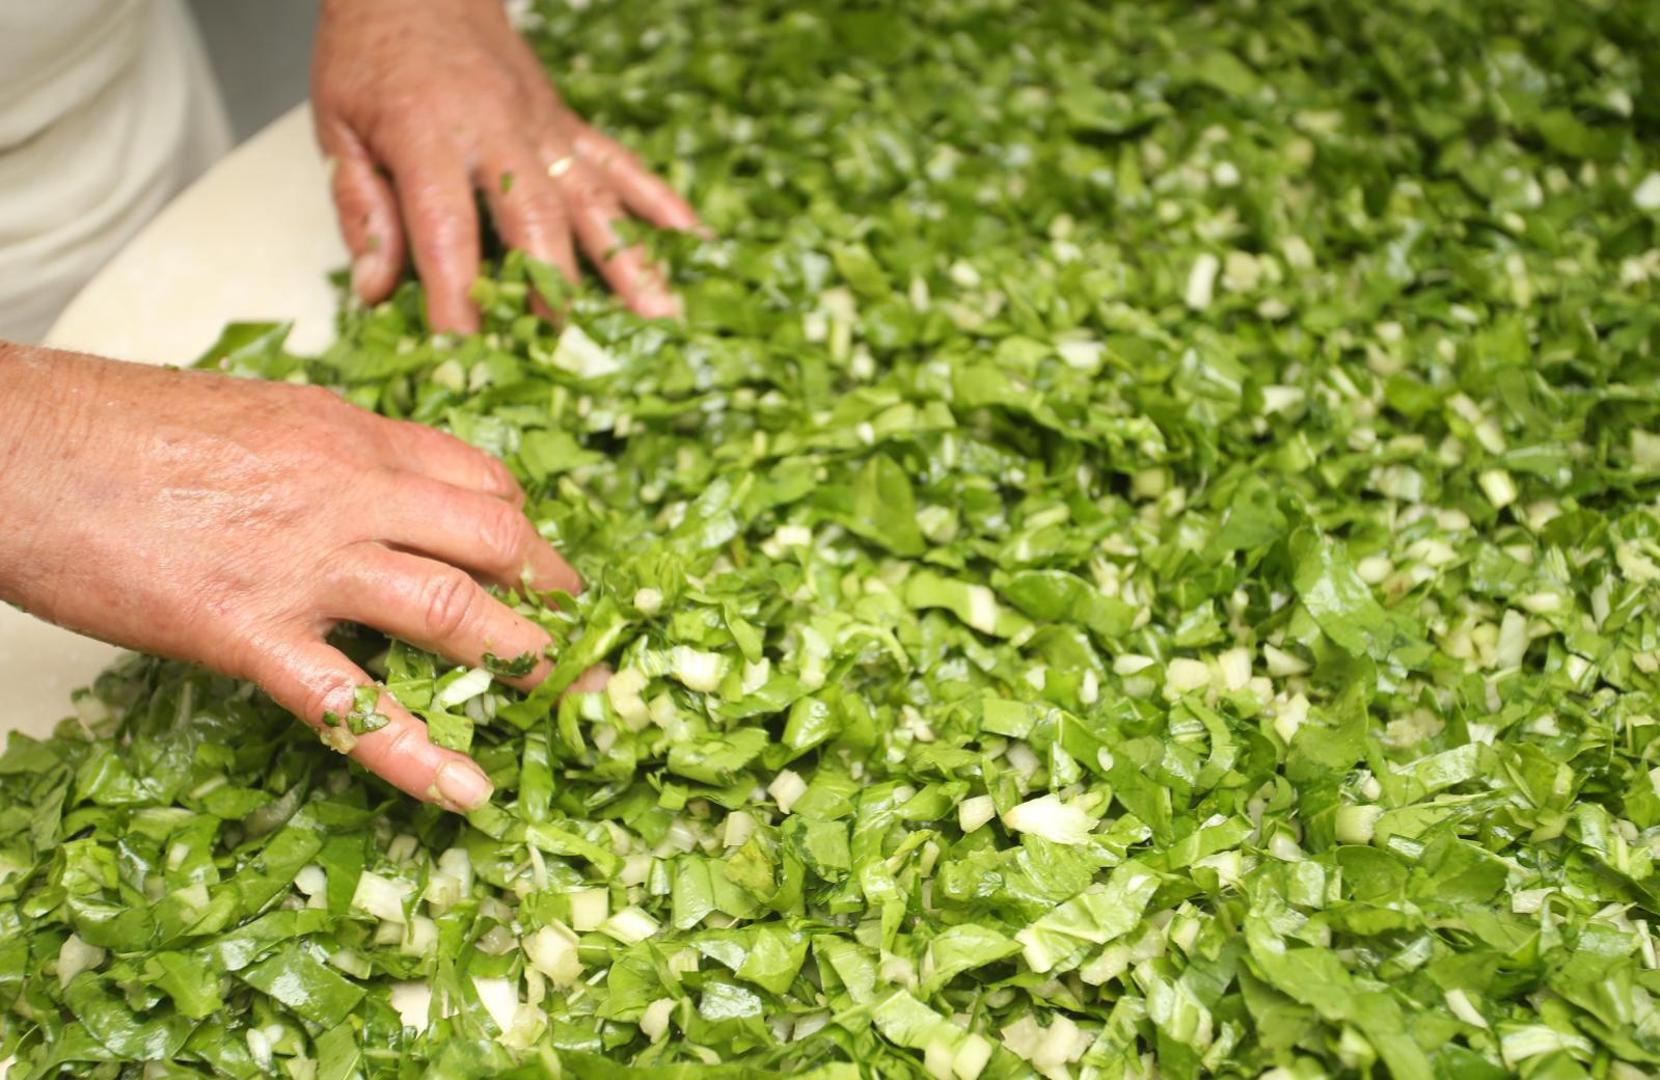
501	479
447	603
585	187
317	397
539	220
503	535
402	741
497	84
326	694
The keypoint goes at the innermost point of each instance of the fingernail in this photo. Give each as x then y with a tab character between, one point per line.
463	786
657	305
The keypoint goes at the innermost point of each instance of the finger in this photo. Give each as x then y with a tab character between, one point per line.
445	458
368	212
317	683
591	681
528	211
595	213
437	608
473	531
641	190
437	201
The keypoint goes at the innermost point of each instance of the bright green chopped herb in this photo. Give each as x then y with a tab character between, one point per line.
517	667
1141	559
365	715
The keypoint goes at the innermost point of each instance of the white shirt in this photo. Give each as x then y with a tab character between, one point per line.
107	109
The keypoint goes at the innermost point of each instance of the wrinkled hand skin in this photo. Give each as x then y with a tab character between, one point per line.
420	104
233	523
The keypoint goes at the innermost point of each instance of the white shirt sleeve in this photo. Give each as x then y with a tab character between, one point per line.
107	110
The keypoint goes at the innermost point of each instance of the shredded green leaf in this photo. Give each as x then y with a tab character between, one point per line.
1140	560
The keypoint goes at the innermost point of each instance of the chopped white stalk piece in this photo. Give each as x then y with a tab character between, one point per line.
1048	817
654	1022
648	601
553	952
1645	447
351	962
1113	962
794	536
635	869
1542	603
420	937
1236	668
1280	399
76	956
786	788
1131	664
696	669
1374	569
1285	849
458	864
1499	488
1062	1043
1022	758
630	926
975	812
972	1057
412	1001
1281	663
311	879
1357	823
936	1059
1459	1004
1646	196
582	356
464	689
740	826
756	673
1022	1037
450	376
1089	689
1290	717
381	897
1201	281
623	691
1083	355
589	909
1512	644
442	891
982	609
897	970
1185	674
259	1048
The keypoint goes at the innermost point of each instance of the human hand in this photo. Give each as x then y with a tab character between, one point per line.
446	98
233	523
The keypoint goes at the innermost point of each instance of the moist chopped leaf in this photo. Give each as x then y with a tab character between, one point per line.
1140	558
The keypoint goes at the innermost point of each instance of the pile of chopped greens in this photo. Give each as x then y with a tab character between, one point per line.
1140	560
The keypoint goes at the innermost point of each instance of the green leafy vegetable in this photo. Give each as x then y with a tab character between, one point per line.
1141	558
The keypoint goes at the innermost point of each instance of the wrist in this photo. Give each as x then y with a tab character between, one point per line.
42	419
19	411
